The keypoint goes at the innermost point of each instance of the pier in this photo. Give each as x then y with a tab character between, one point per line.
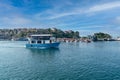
70	40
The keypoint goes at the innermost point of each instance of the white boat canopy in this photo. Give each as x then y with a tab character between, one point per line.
40	35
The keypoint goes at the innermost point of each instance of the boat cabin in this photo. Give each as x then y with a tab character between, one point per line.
41	39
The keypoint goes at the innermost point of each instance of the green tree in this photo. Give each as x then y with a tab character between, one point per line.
101	35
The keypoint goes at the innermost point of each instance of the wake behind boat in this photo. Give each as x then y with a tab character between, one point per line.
42	41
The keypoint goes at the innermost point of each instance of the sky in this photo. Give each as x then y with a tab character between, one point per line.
85	16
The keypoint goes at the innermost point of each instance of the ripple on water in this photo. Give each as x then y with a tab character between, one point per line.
81	61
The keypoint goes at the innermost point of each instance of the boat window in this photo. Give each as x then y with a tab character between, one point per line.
32	41
44	42
38	41
50	41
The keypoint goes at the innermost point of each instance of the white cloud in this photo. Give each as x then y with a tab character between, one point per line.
15	20
118	19
63	14
54	13
4	6
105	6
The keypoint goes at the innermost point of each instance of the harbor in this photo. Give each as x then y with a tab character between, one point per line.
59	39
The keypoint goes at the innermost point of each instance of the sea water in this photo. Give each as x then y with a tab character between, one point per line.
71	61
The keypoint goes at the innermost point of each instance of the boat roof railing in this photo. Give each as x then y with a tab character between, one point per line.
40	35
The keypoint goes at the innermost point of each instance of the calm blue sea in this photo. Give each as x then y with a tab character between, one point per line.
72	61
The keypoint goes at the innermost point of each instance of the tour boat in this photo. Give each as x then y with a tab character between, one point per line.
42	41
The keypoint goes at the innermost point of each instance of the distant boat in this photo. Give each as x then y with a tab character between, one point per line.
42	41
87	41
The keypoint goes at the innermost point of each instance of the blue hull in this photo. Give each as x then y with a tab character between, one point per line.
47	45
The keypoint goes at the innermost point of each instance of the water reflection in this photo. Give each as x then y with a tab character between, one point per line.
100	44
44	53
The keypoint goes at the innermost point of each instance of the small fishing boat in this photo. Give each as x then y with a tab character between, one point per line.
87	41
42	41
